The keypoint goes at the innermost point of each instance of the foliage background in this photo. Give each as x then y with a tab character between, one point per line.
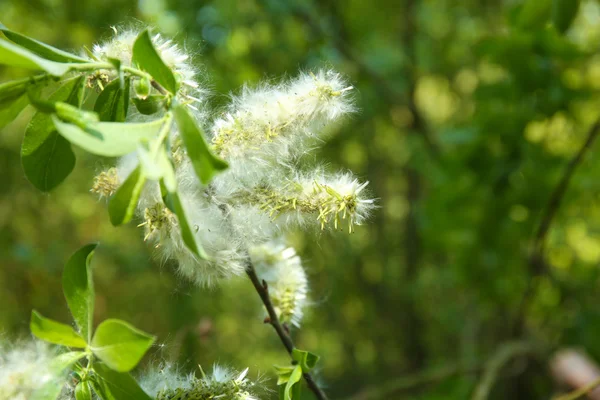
469	113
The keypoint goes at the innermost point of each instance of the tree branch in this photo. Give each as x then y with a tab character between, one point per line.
263	291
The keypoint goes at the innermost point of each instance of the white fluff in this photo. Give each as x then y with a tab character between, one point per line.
263	194
24	368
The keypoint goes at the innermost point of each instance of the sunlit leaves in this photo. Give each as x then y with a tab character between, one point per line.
120	345
122	205
147	59
47	158
111	139
305	359
83	391
16	56
78	288
288	379
205	163
55	332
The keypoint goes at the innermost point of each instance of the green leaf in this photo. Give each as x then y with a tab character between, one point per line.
147	58
205	163
13	99
11	110
113	385
306	359
113	102
55	332
150	105
110	139
78	288
173	202
563	13
41	49
120	345
16	56
121	206
289	392
51	389
47	158
83	391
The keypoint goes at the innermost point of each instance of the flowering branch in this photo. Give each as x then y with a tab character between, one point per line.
263	291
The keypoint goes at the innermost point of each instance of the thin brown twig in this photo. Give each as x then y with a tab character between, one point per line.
263	291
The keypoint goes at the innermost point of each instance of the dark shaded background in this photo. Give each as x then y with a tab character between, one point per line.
470	112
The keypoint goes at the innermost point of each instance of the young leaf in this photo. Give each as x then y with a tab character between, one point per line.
205	163
55	332
306	359
113	385
10	111
41	49
78	288
290	392
120	345
47	158
83	391
51	389
122	205
113	102
111	139
13	100
147	58
173	202
16	56
149	105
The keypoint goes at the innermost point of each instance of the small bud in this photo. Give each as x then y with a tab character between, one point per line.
142	88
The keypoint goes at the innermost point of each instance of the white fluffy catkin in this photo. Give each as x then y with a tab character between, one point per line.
263	194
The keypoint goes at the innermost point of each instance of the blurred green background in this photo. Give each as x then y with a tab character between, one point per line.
469	113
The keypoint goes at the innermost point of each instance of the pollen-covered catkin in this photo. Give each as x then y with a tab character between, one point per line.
281	268
165	383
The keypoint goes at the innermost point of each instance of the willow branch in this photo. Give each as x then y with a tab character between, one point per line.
263	291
